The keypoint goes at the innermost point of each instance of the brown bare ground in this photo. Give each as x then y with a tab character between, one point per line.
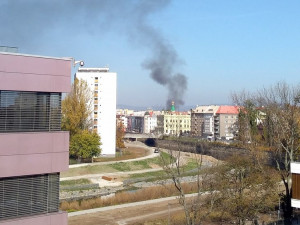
129	215
127	197
128	153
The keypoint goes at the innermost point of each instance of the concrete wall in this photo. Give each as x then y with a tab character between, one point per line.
34	73
33	153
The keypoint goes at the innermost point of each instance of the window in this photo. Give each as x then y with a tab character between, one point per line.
28	195
29	111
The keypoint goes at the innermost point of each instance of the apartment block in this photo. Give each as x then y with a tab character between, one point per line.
202	121
135	124
33	149
103	85
177	123
225	122
150	122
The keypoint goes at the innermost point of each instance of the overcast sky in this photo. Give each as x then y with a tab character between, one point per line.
210	48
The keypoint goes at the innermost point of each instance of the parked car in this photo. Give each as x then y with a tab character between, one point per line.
156	150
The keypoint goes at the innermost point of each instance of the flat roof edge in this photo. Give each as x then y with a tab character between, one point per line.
37	56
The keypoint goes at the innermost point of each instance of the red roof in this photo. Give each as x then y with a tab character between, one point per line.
228	109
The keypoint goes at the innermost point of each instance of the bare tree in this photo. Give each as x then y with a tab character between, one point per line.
244	190
281	128
283	131
194	207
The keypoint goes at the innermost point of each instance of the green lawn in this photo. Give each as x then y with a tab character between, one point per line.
161	175
116	167
75	182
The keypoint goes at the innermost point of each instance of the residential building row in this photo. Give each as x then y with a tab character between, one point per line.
214	122
211	122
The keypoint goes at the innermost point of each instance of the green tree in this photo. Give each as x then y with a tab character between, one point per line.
76	108
85	145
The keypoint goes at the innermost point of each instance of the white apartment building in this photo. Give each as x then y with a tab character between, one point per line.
103	84
150	122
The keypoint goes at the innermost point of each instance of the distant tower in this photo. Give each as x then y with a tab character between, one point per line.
172	107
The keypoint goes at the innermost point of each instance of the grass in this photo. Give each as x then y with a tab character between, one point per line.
75	182
161	175
80	189
155	174
127	153
76	185
115	167
88	170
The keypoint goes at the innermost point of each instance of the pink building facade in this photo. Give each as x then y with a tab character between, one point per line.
33	149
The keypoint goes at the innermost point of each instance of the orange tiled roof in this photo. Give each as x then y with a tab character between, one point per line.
228	109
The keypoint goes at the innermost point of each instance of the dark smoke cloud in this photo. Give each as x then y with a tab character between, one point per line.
23	23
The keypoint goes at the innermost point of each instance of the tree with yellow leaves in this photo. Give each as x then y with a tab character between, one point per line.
120	135
76	118
76	108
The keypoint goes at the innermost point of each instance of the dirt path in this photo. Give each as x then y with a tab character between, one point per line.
129	215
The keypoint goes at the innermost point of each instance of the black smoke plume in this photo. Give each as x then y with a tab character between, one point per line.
25	23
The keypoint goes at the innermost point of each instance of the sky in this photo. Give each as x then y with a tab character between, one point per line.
196	52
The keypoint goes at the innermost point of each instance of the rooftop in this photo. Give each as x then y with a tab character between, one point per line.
228	109
101	69
36	56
